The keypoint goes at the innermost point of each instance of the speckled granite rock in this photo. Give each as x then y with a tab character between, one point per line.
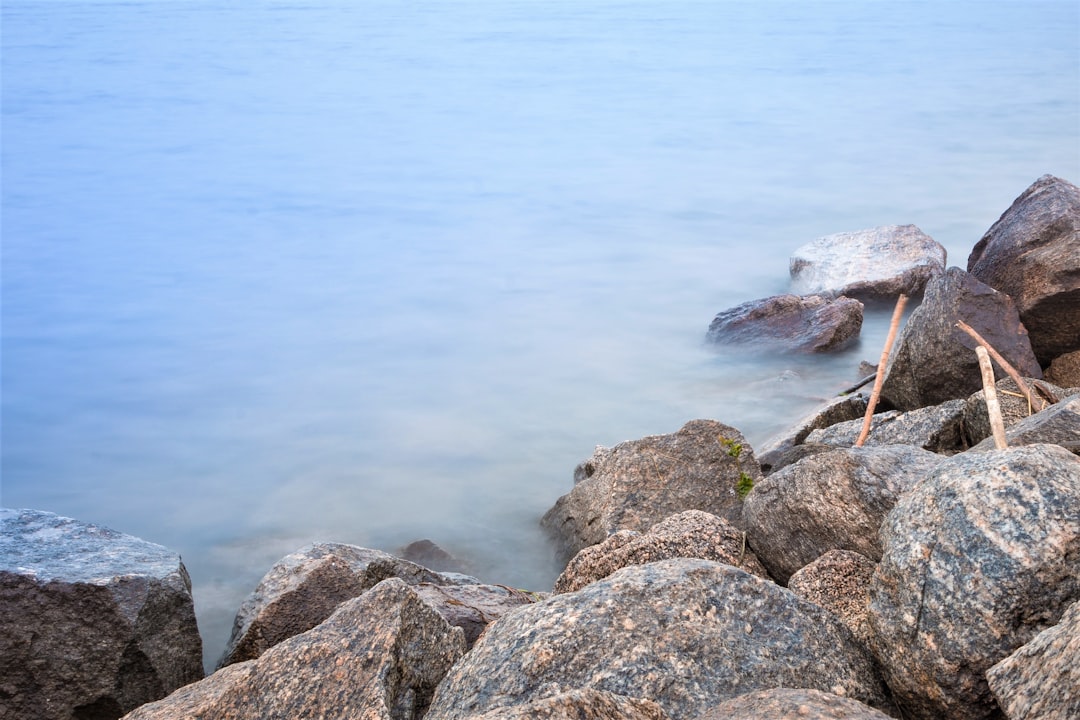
305	587
638	483
938	428
1032	253
685	633
790	323
1064	370
978	558
777	452
689	534
93	622
781	703
1041	680
831	500
1014	407
878	263
586	704
838	581
378	657
472	607
1058	424
935	361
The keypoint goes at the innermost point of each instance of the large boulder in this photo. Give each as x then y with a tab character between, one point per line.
937	428
978	558
789	322
1032	254
1058	424
93	623
872	264
838	581
638	483
781	703
1041	680
305	587
935	361
377	657
830	501
685	633
584	704
690	534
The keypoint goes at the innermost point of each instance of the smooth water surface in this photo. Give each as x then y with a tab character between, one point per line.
372	271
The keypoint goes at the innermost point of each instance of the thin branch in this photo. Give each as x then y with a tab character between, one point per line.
1003	364
993	409
879	378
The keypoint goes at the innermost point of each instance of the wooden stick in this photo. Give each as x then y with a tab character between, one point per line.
993	409
880	377
1003	364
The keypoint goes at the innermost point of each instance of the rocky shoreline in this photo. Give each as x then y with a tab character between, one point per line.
925	574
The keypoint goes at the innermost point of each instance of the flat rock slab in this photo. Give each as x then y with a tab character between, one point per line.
811	324
938	428
781	703
873	264
95	622
683	633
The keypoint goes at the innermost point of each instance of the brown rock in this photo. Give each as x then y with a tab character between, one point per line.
583	704
782	703
838	581
473	607
1065	370
798	324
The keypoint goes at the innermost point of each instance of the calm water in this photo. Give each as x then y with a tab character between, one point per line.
373	271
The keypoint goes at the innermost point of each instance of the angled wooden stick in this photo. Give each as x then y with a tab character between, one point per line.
1003	364
880	377
993	409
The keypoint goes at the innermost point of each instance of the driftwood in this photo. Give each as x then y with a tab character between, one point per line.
879	377
856	386
993	409
1004	365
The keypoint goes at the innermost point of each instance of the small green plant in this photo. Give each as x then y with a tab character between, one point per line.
744	486
734	449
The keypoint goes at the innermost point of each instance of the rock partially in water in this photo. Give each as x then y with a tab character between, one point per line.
94	622
811	324
775	453
782	703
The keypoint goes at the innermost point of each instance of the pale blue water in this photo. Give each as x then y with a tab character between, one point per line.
373	271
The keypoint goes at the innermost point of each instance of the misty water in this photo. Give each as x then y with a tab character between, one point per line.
371	271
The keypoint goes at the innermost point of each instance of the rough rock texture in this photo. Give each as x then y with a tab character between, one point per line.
1032	253
938	428
1014	406
935	361
1059	424
1064	370
378	657
305	587
868	264
1041	680
472	607
690	534
685	633
781	703
93	622
837	410
978	558
638	483
829	501
838	581
789	322
583	704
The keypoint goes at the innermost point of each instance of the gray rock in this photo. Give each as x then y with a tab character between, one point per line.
938	428
1041	680
978	558
782	703
1059	424
838	581
377	657
305	587
690	534
830	501
94	622
1032	253
797	324
1014	406
638	483
433	557
1064	370
473	607
935	361
836	410
684	633
872	264
585	704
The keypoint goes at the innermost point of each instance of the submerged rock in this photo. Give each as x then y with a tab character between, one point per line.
797	324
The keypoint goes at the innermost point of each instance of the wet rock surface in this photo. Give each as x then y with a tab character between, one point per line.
810	324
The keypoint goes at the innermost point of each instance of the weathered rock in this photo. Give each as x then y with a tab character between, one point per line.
377	657
978	558
1041	680
305	587
837	410
872	264
472	607
798	324
1059	424
685	633
829	501
689	534
938	428
638	483
935	361
433	557
790	456
838	581
1032	253
1013	405
585	704
93	622
1064	370
783	703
